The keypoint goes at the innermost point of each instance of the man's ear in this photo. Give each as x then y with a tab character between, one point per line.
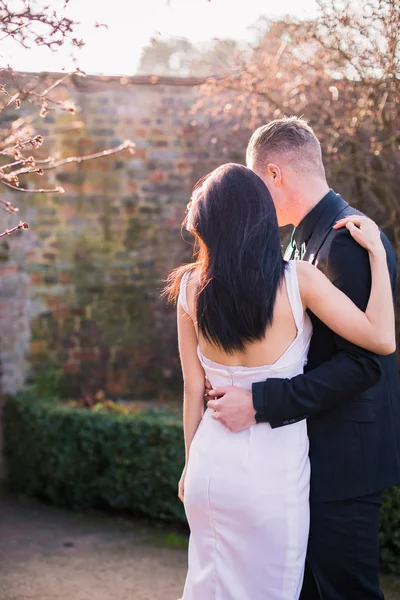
275	173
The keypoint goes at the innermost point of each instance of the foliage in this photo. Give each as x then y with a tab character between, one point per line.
80	458
29	25
179	57
47	384
390	531
53	385
84	458
341	71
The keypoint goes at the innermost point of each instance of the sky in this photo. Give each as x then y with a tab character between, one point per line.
133	23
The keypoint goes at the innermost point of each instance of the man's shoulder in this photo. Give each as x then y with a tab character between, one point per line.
339	241
350	210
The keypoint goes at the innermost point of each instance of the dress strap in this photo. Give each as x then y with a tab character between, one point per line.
182	298
292	286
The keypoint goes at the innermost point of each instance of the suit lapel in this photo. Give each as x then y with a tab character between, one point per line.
323	227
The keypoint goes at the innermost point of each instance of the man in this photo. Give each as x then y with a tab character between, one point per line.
350	397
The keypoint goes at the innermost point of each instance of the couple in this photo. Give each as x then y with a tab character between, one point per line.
298	373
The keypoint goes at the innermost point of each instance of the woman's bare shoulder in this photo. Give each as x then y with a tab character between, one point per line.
193	279
309	277
193	282
305	270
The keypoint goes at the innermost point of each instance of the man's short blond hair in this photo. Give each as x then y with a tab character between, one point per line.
290	140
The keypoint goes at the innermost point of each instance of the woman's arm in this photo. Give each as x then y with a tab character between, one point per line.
193	378
374	329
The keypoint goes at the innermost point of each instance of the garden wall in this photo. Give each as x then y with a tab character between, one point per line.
80	288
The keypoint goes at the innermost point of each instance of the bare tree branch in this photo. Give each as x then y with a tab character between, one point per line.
21	225
30	25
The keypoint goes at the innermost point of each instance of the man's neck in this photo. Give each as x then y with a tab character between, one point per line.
305	202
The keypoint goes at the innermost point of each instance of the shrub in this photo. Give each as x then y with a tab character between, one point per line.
81	458
390	531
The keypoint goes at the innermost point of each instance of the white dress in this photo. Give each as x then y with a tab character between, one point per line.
247	493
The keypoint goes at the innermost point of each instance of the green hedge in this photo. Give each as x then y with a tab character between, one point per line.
390	531
80	458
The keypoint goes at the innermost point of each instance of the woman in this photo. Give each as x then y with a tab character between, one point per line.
241	319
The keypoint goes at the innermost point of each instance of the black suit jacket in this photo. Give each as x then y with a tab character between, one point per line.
354	429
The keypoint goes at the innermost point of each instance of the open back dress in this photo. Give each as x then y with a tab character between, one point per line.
247	493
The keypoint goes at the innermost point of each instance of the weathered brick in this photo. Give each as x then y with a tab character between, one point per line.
38	347
87	275
100	132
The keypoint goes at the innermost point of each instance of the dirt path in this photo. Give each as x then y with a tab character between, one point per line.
51	554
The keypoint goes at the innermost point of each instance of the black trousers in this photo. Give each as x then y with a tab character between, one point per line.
343	550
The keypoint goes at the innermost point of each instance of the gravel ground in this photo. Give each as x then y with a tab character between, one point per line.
52	554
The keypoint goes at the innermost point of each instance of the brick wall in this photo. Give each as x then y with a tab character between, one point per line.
80	288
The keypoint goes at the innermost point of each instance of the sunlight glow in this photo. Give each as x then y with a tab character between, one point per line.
132	24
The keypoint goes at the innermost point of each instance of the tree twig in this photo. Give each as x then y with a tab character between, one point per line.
21	225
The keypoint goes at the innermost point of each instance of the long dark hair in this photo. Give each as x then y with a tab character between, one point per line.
238	256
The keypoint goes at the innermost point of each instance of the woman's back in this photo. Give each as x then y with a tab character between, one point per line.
289	332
